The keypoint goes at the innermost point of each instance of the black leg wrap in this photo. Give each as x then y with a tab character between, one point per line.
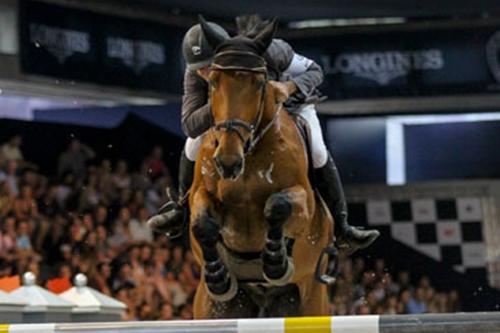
216	274
275	259
276	265
278	208
217	277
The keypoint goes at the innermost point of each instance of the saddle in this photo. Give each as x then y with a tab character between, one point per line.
305	132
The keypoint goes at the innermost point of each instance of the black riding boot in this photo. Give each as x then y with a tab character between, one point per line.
331	190
172	215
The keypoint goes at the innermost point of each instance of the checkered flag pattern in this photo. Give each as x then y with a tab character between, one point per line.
449	231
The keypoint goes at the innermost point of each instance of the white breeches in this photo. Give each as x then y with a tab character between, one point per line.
319	151
318	148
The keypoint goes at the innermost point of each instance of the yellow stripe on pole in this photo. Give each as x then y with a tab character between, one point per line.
308	325
4	328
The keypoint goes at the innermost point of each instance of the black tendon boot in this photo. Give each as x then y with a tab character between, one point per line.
331	190
171	216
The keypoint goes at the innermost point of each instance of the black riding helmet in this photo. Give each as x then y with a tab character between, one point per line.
195	48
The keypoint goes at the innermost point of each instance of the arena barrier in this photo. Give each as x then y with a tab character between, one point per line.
484	322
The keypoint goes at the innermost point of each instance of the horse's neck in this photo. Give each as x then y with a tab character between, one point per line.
270	114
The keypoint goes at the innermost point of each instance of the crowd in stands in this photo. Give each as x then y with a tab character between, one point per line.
376	290
91	216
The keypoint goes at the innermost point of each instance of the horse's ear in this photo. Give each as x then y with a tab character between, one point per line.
214	38
264	38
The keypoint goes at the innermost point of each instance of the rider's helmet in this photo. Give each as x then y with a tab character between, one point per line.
195	48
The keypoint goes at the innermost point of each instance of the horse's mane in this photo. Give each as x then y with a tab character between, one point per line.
250	25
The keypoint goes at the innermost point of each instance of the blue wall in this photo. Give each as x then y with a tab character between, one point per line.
462	150
358	147
453	151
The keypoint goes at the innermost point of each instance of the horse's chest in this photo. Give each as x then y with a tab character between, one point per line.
251	188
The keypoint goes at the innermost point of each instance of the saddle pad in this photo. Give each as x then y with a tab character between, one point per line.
305	132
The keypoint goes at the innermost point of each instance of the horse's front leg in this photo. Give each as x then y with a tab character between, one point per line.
277	265
221	285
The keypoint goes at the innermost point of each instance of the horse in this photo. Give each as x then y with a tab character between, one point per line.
257	228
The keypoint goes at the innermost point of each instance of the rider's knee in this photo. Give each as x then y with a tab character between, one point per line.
192	147
319	156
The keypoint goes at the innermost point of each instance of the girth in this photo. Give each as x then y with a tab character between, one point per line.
232	257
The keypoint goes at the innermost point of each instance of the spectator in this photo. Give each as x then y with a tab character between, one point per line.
166	312
74	159
156	167
416	305
6	199
11	177
11	150
121	178
8	237
25	206
23	241
121	229
138	229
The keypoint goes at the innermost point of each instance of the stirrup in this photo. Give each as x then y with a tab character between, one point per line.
332	268
168	206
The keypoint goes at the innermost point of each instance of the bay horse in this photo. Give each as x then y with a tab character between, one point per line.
257	227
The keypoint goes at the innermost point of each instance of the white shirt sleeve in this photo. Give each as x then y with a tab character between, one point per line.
298	65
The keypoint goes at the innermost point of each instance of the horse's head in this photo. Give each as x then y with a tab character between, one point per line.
237	94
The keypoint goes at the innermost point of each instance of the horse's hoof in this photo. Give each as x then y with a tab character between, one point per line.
228	295
285	278
277	209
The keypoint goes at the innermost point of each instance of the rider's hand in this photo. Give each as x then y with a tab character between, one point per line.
283	90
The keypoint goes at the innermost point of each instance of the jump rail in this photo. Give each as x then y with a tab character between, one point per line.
484	322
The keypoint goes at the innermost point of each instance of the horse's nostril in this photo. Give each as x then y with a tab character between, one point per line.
216	143
218	162
239	164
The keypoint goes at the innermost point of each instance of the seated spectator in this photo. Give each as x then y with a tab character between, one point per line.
141	180
74	159
6	199
156	167
139	231
48	204
166	312
11	177
121	229
23	241
25	206
121	178
416	305
8	237
90	196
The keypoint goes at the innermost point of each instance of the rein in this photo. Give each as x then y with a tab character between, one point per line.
237	125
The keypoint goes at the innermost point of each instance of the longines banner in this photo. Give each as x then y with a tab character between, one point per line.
80	45
418	63
84	46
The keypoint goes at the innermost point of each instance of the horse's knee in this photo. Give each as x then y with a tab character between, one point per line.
278	208
206	231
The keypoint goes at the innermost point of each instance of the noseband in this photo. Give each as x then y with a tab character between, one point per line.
257	65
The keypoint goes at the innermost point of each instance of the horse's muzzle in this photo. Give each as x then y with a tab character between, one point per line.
229	167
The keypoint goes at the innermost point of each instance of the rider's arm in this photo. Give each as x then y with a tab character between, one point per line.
196	117
304	72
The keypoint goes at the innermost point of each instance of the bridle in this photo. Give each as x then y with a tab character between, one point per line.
239	126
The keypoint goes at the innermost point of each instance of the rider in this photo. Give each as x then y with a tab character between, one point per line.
295	76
